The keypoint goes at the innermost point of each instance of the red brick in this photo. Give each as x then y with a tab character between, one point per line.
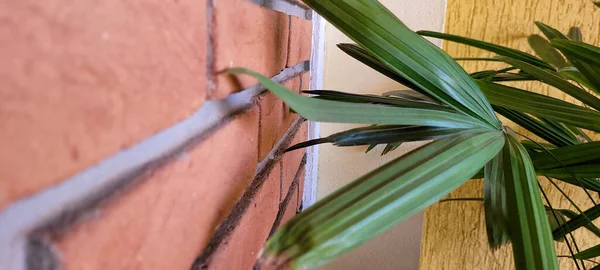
275	118
305	77
289	116
242	249
292	207
246	35
166	221
84	79
300	41
291	161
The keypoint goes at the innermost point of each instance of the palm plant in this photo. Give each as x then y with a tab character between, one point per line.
457	111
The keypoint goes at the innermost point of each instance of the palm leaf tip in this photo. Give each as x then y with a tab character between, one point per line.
390	147
549	31
575	33
544	49
306	144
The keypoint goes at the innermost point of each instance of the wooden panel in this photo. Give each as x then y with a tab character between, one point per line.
454	234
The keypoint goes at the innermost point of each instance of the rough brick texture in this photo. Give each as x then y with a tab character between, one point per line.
294	204
275	118
241	250
82	80
300	41
291	161
246	35
165	221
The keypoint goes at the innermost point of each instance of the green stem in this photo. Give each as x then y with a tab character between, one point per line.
461	199
561	229
587	260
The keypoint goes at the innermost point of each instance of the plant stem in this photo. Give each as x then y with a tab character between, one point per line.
461	199
566	169
567	256
568	198
560	226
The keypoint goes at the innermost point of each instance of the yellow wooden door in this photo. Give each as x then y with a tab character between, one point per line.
454	234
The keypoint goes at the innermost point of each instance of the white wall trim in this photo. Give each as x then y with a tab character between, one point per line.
316	82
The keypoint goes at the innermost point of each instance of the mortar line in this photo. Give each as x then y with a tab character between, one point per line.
283	205
288	196
210	60
280	180
263	169
289	7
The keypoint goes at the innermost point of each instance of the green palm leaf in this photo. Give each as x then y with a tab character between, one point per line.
409	95
494	202
386	38
380	199
550	32
578	221
510	77
529	229
500	50
575	34
540	105
577	53
580	50
572	73
536	127
554	79
579	171
544	50
382	134
345	112
587	183
590	72
472	58
589	226
388	100
569	155
366	58
559	128
390	147
589	253
579	134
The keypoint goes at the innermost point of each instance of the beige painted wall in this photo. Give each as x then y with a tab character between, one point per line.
398	248
454	232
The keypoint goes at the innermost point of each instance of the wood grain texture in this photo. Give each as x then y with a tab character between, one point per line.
454	234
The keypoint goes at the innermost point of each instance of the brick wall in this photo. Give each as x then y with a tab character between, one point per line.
125	146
